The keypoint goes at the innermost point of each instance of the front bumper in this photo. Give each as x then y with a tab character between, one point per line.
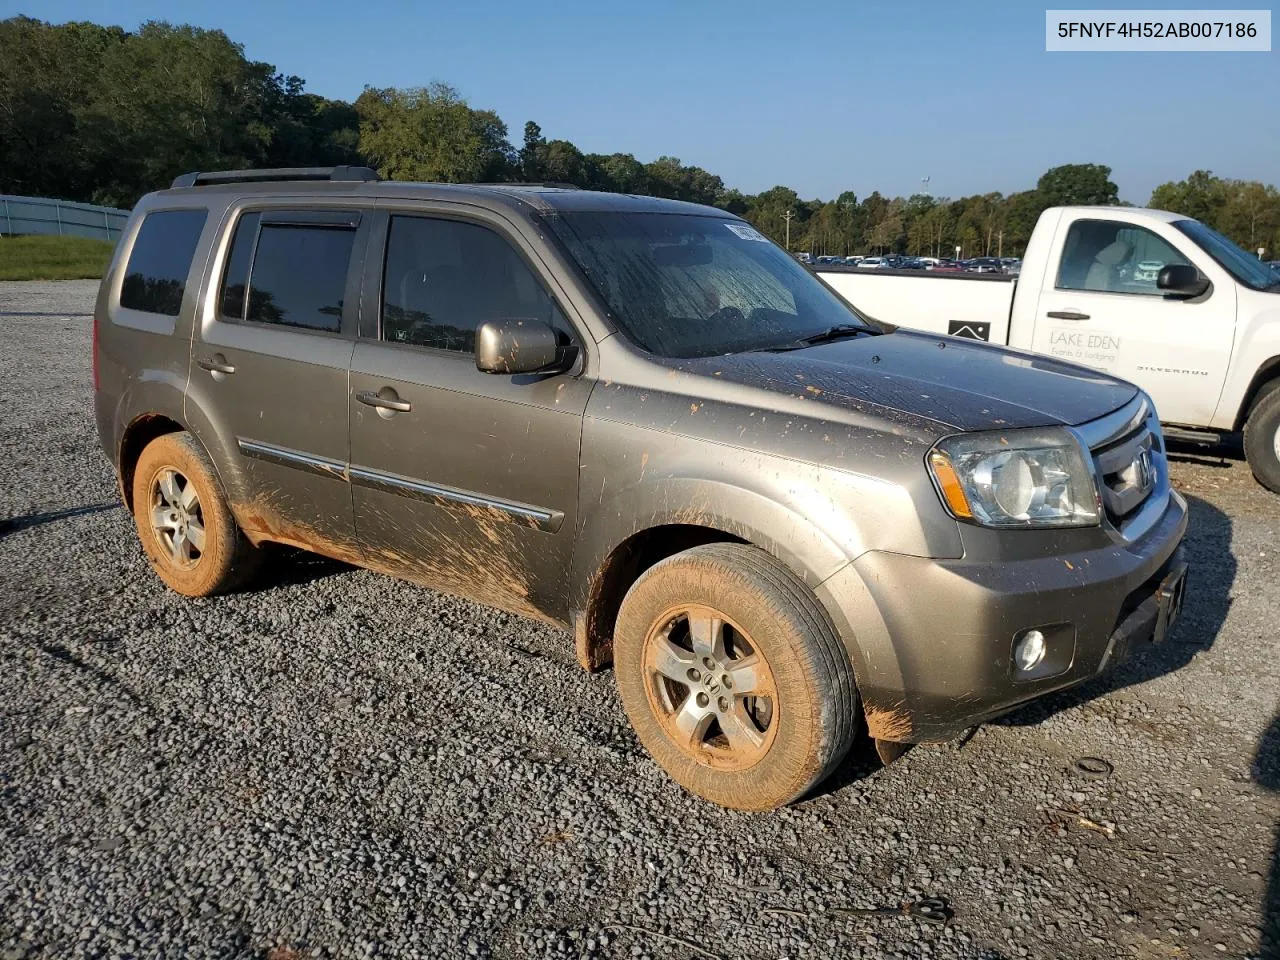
932	640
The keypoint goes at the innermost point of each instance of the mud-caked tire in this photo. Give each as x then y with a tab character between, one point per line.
734	677
1262	438
184	524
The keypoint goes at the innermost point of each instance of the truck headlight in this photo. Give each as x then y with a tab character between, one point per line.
1016	478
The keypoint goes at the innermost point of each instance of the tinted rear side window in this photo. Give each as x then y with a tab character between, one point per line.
236	278
299	275
156	276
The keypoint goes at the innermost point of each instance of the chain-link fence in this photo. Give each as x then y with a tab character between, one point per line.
27	215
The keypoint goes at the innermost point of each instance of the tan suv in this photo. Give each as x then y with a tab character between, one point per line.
643	422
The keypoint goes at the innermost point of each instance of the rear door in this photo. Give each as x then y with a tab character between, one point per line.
463	481
270	362
1101	308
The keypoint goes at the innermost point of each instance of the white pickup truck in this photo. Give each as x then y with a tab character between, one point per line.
1154	297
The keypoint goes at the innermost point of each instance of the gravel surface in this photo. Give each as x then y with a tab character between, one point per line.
343	765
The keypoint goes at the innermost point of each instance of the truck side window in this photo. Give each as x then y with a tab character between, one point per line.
1106	256
156	276
443	278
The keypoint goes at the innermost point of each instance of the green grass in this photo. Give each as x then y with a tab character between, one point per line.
53	258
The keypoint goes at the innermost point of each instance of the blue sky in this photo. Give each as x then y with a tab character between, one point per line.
820	97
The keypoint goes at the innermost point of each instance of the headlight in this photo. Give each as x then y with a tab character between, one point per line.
1018	478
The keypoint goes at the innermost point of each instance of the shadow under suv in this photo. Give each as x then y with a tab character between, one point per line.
643	422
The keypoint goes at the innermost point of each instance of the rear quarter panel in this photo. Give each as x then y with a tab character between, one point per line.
144	358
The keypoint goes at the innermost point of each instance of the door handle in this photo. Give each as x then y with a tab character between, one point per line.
1067	315
216	364
373	400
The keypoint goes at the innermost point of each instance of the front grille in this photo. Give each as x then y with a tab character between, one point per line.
1129	470
1132	469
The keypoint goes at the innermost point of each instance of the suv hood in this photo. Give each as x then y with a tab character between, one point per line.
958	383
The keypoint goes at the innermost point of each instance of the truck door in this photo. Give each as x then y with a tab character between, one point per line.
1101	308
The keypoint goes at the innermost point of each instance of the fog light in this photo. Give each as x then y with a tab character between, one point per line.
1029	651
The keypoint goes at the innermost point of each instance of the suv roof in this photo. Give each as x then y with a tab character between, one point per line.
363	181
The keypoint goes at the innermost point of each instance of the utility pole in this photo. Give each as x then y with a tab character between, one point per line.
787	217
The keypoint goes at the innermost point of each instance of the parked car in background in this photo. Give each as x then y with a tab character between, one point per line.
871	263
780	522
984	265
1201	334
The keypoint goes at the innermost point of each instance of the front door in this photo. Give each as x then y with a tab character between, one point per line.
464	481
272	360
1105	311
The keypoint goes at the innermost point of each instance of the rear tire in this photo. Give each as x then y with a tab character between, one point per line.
733	676
184	523
1262	438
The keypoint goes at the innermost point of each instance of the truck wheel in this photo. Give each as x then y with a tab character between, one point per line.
1262	438
733	677
184	523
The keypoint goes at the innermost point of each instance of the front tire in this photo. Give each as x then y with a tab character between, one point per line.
733	676
184	523
1262	438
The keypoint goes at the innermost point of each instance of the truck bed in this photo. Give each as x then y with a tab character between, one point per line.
974	305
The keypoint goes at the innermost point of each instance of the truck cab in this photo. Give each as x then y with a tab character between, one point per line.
1090	292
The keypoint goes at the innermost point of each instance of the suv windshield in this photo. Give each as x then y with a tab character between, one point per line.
1249	270
684	285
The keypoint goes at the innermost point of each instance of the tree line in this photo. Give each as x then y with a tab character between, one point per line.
100	114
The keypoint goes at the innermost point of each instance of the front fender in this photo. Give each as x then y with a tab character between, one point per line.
1255	359
704	502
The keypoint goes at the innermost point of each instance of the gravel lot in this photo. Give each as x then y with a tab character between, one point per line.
343	765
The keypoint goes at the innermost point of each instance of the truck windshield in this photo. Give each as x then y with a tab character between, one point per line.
1246	268
684	285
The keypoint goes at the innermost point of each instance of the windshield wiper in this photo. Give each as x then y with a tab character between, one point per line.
840	331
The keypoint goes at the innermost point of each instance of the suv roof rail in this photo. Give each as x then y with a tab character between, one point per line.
558	184
341	173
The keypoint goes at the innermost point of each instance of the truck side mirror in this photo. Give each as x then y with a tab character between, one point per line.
521	346
1182	280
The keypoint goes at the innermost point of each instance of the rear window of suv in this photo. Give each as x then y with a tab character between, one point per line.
156	276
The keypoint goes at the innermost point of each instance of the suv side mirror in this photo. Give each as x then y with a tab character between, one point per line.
1181	279
520	346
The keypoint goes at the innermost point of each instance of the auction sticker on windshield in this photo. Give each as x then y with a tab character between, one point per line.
747	232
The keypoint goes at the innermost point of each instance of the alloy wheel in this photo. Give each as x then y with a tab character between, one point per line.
710	688
177	518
